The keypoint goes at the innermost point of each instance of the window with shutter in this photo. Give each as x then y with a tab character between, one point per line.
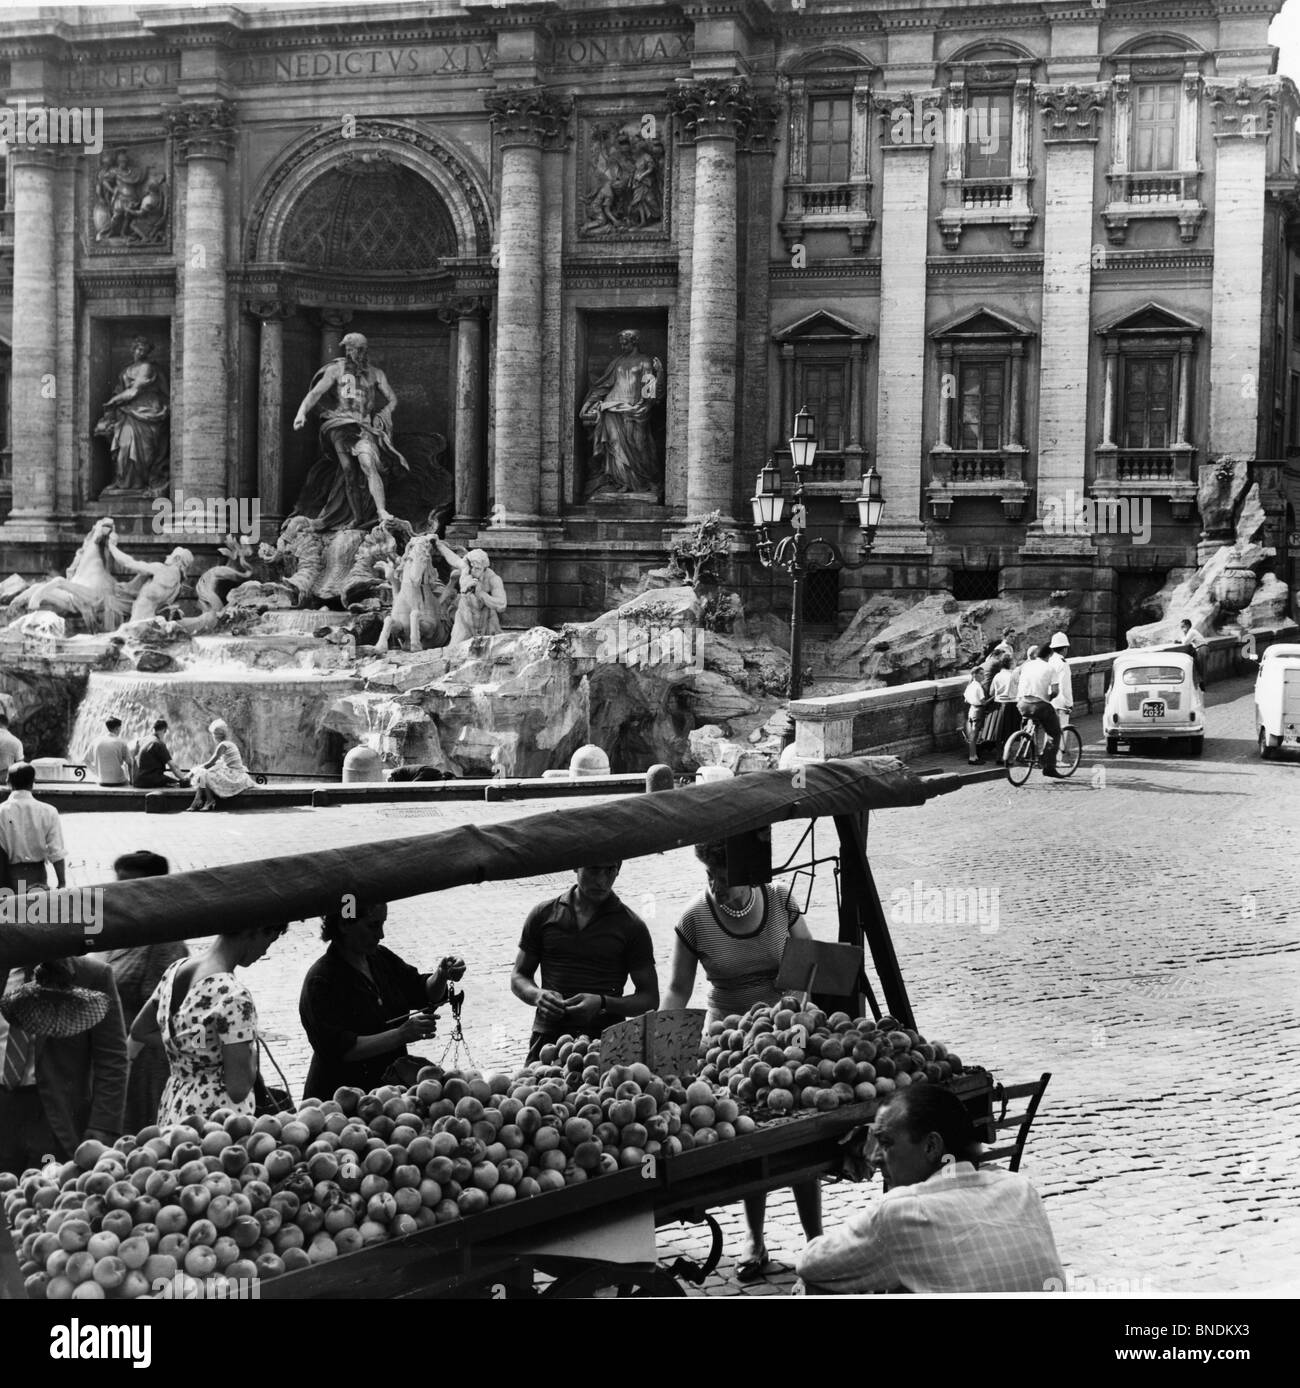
828	139
980	390
1148	401
1155	126
988	135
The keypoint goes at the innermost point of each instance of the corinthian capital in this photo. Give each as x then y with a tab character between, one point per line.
909	119
202	131
713	108
1071	114
1245	109
534	116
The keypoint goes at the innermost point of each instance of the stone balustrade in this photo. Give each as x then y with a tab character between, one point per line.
908	720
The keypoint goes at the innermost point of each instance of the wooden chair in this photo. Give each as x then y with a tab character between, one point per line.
1013	1147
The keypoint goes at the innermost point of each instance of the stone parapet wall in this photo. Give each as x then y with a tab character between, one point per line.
912	719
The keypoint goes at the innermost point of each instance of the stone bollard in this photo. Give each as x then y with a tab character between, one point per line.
362	764
659	777
589	760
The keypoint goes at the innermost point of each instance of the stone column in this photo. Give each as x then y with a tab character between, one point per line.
270	413
1243	116
471	478
711	114
524	119
1071	116
204	136
900	398
1108	409
334	322
35	386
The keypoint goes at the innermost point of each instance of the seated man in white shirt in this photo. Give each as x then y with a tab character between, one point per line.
942	1224
111	757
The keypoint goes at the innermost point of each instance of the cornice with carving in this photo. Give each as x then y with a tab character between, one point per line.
1071	114
1245	109
154	281
531	115
204	130
713	108
623	272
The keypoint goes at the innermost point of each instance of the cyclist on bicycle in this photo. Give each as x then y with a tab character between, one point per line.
1059	665
1035	703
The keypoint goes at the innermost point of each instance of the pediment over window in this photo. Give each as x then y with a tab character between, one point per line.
1153	319
1157	44
828	61
983	323
821	327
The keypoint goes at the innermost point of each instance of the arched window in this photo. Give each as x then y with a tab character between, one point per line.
1155	171
827	187
987	180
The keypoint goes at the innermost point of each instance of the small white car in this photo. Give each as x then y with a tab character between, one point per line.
1154	697
1277	700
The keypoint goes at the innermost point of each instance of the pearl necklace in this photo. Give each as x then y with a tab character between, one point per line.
743	911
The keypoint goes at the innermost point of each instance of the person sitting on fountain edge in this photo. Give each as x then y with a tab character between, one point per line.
154	768
587	944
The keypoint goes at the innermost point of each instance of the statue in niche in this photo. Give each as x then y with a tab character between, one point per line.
617	411
356	424
136	422
625	180
131	202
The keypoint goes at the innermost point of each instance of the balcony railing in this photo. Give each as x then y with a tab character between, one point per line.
986	194
1147	465
969	473
826	199
828	206
1172	193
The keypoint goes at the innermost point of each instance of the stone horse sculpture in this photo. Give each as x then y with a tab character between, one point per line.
419	604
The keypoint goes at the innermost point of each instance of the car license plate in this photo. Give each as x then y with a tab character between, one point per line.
1153	708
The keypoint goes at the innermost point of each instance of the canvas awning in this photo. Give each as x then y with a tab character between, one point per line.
195	904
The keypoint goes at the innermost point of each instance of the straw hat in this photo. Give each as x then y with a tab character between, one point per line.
42	1008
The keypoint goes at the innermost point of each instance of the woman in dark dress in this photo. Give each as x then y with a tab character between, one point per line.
137	972
352	995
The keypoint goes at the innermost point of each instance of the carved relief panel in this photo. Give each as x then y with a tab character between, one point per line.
130	199
623	175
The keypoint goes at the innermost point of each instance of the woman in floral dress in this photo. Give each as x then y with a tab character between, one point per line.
223	775
208	1025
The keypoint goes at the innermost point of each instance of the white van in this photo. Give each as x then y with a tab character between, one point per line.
1154	697
1277	700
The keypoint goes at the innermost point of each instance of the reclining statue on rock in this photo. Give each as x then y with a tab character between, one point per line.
163	580
420	600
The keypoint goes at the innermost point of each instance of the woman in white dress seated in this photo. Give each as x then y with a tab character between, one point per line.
223	775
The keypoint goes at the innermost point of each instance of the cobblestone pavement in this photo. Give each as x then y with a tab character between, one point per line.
1136	935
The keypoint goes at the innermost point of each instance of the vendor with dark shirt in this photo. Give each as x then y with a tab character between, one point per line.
587	944
355	999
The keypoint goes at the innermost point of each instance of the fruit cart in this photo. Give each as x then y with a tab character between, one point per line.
598	1232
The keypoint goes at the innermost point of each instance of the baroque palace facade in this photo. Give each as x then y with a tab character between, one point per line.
1013	254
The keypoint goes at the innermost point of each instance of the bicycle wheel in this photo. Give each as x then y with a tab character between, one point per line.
1020	756
1070	752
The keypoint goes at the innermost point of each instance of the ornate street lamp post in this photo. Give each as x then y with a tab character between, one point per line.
796	553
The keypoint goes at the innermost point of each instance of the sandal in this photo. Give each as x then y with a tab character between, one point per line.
751	1269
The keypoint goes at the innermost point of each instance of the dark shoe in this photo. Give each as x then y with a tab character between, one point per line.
1052	773
754	1268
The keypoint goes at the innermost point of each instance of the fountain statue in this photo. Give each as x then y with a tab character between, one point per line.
482	595
164	580
89	592
212	598
420	600
135	422
617	412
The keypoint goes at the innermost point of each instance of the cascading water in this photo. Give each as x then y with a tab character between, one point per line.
276	717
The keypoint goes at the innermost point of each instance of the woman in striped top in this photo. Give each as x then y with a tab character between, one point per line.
739	933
